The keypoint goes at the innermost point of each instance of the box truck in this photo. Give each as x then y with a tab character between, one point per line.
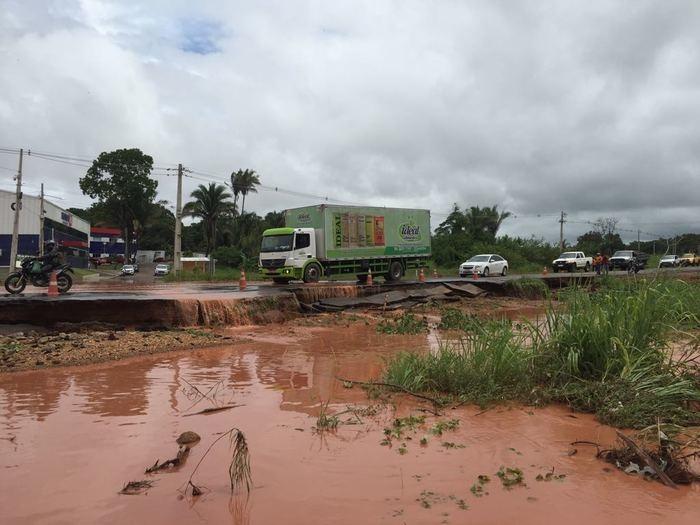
330	240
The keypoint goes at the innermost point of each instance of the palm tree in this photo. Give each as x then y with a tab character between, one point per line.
210	204
484	223
242	183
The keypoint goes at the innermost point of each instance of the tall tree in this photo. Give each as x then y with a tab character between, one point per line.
210	204
242	183
120	181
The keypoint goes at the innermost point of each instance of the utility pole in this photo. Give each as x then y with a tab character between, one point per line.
177	251
17	208
561	231
41	221
638	234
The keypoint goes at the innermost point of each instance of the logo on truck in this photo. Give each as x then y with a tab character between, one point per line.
410	232
304	218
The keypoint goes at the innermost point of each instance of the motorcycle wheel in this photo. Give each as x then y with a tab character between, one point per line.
14	283
64	282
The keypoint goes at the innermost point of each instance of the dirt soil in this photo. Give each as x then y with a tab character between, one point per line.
72	438
38	349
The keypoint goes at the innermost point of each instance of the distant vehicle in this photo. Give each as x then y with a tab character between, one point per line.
128	269
161	269
572	261
484	264
623	259
689	259
669	261
325	240
136	267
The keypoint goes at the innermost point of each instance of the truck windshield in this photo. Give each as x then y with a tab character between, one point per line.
568	255
277	243
622	254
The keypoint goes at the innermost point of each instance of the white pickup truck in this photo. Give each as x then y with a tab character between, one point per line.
572	261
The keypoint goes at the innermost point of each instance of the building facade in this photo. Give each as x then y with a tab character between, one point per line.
106	242
69	231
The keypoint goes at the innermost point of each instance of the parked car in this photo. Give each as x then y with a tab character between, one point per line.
572	261
689	259
128	269
622	259
161	269
669	261
484	264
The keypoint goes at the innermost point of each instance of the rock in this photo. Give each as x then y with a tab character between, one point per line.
187	438
44	340
74	336
39	362
63	335
47	349
112	337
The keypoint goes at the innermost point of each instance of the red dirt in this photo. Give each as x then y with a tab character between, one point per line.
70	438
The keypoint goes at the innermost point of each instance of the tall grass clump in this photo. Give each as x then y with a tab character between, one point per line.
629	354
487	364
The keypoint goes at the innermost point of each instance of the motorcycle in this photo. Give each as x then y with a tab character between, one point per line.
31	272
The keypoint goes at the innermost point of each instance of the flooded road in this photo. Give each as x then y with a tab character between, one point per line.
71	438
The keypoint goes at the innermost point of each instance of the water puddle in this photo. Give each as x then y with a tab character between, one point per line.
71	438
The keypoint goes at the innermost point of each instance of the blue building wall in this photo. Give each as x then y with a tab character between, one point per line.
28	245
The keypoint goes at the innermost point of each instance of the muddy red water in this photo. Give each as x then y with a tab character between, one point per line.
71	438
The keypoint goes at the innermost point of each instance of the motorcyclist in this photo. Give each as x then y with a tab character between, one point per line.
51	258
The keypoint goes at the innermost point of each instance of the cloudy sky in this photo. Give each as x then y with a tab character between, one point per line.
538	106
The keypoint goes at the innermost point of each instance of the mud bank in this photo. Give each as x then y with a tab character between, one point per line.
71	438
149	312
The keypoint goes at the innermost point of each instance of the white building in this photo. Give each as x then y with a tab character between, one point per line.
69	231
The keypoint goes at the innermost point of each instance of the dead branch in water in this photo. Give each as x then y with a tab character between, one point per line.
396	387
239	468
647	459
182	454
212	409
136	487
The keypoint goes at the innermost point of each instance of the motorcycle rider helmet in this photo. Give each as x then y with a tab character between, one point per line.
49	246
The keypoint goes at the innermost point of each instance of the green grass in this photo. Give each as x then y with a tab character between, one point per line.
407	323
609	353
220	274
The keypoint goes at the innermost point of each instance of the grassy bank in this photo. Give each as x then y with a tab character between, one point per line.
629	354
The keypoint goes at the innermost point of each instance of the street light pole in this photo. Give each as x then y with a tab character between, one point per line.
17	207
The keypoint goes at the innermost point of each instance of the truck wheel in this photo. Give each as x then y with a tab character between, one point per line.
312	273
588	267
395	271
362	279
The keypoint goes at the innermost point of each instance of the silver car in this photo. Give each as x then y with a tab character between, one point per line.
128	269
161	269
484	264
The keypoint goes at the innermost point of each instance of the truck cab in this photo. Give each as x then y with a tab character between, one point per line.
288	254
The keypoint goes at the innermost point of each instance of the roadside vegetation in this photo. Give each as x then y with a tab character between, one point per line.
629	353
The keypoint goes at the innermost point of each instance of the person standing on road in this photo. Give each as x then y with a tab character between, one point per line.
605	264
596	263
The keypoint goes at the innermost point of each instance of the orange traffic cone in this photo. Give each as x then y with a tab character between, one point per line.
421	276
53	285
369	277
242	283
475	275
545	271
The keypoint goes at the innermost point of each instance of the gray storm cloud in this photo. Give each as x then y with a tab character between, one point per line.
538	106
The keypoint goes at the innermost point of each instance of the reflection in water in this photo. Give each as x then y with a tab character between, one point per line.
80	434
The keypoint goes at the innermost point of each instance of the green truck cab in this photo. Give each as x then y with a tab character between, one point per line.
330	240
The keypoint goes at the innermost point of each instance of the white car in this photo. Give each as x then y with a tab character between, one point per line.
161	269
128	269
485	264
